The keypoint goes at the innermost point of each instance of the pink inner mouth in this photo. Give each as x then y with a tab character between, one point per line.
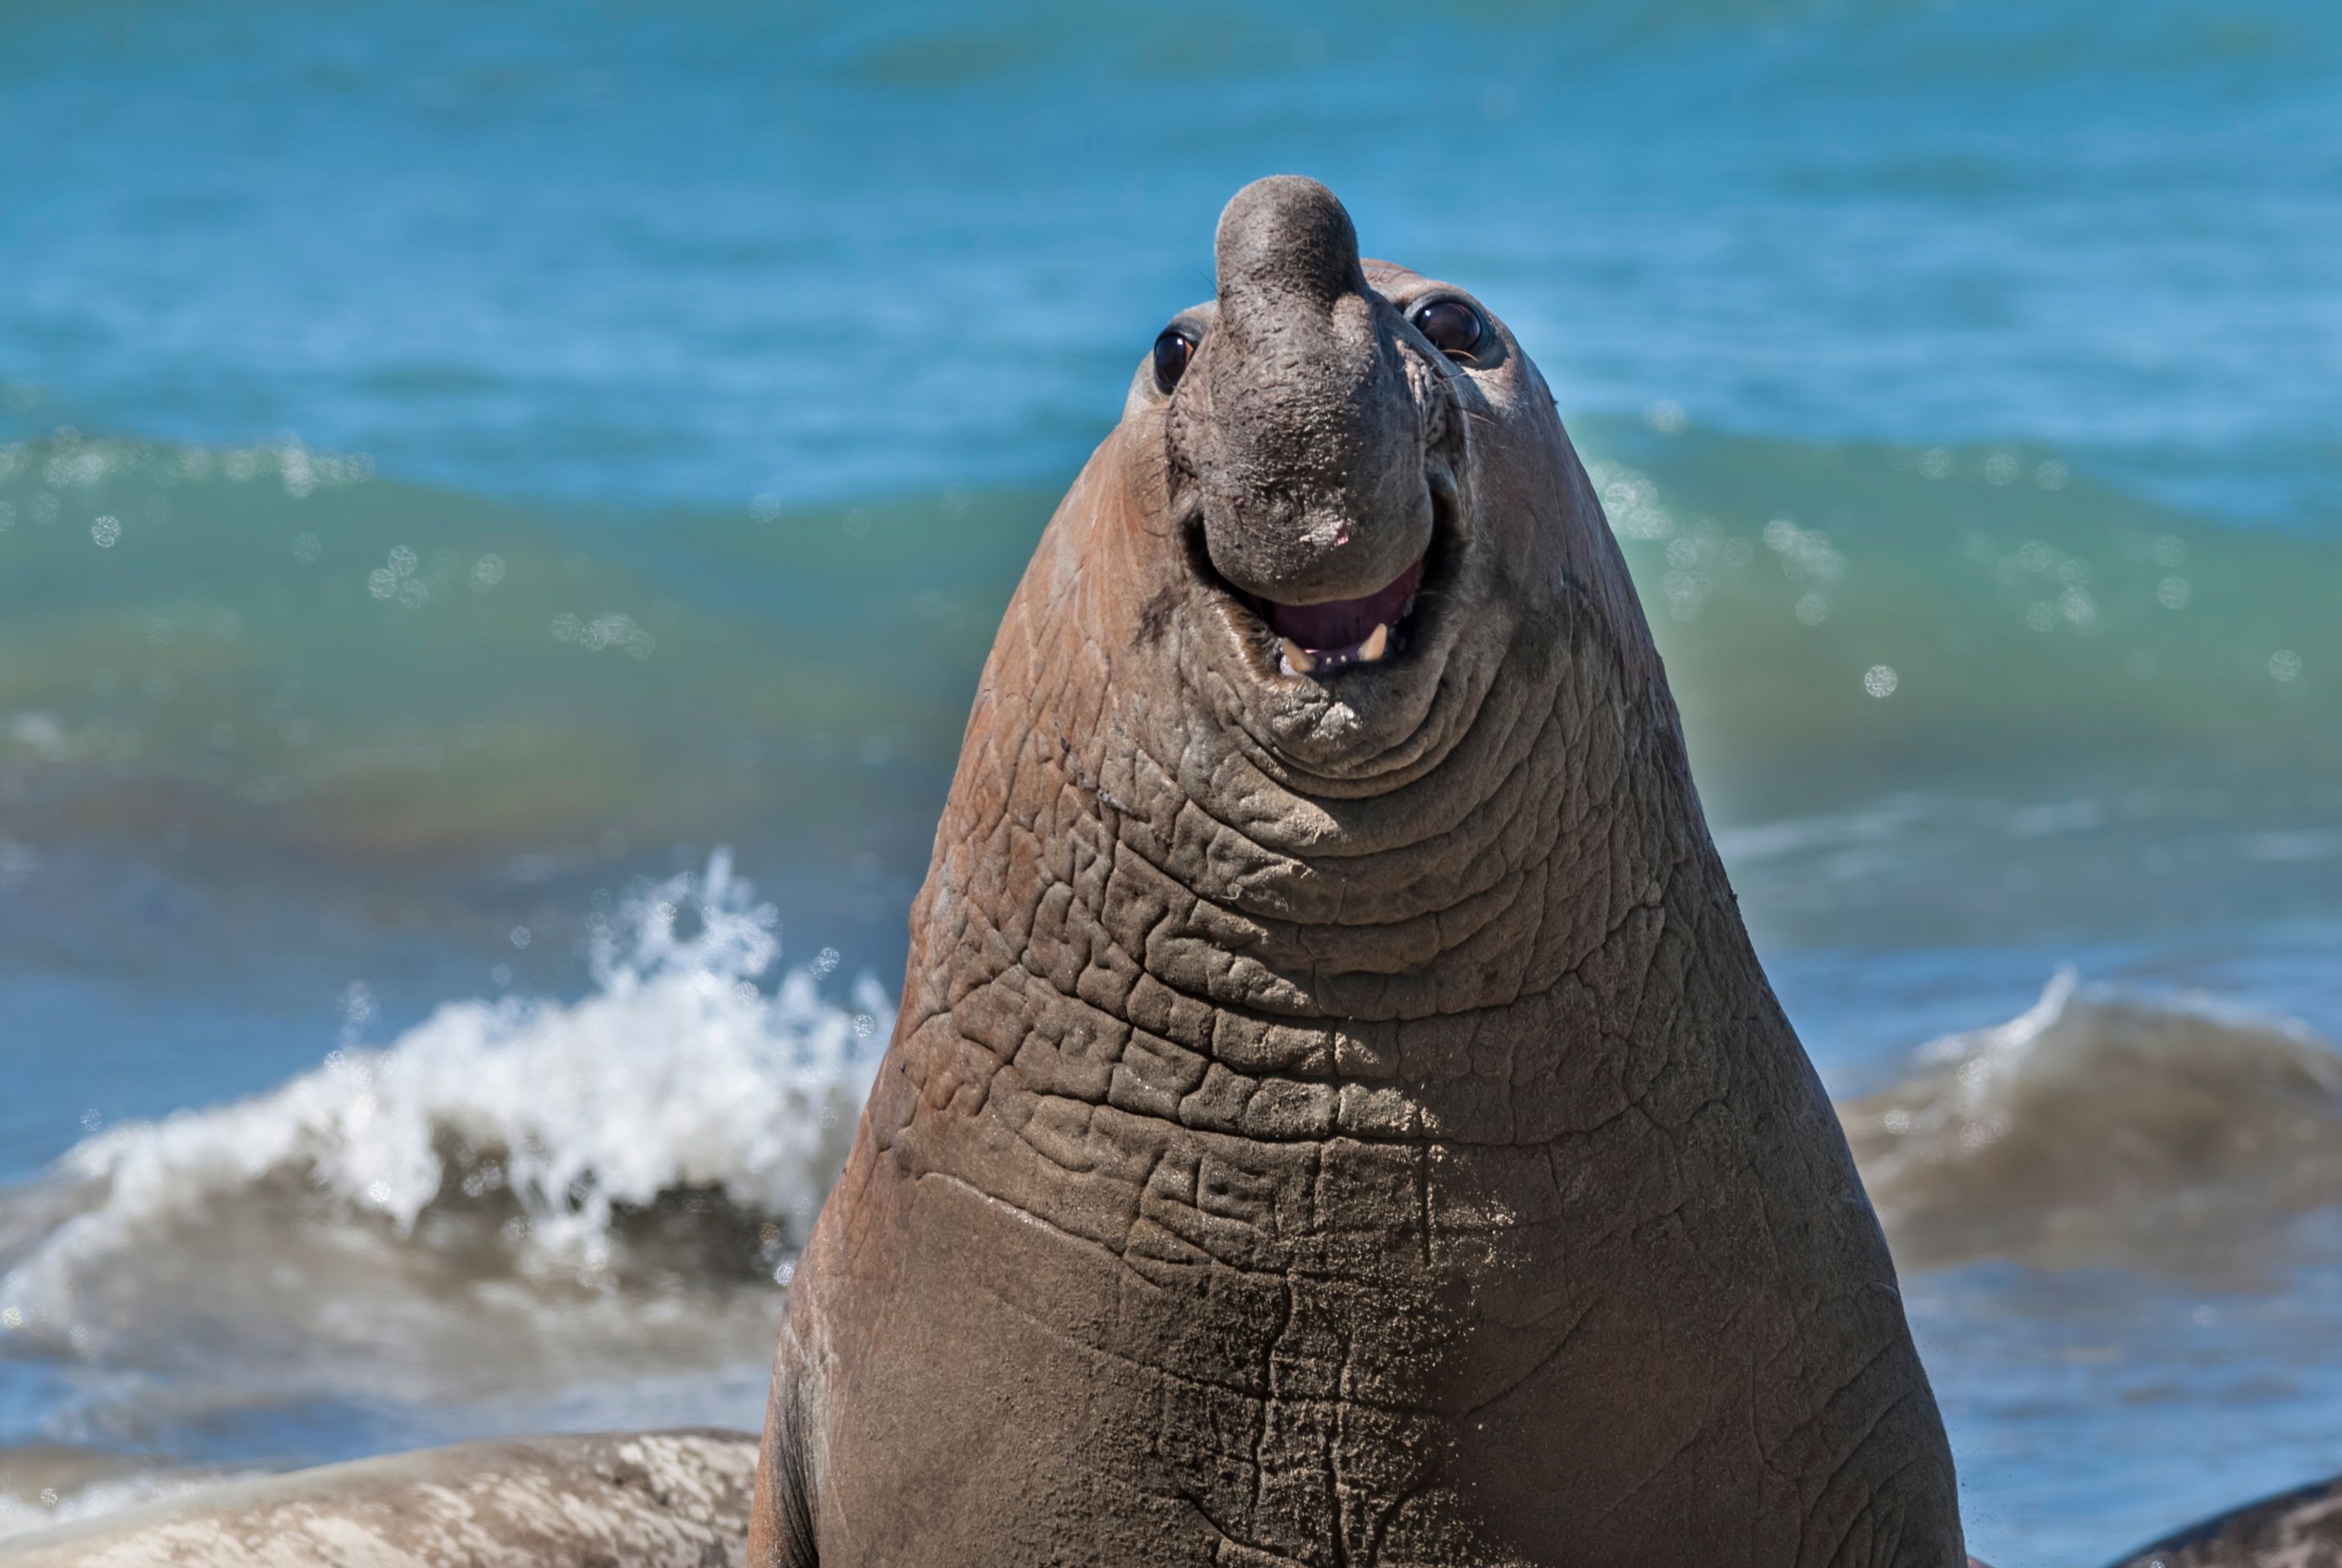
1339	625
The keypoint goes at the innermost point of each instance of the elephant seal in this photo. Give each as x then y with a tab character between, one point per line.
647	1499
1336	1116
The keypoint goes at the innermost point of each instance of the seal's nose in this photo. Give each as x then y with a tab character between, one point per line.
1299	421
1286	236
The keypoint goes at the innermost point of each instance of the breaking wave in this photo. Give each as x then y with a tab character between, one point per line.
520	1202
2104	1128
629	1169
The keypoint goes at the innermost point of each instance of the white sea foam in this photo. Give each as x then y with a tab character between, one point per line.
692	1072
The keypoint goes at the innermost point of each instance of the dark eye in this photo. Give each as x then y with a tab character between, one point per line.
1454	327
1173	350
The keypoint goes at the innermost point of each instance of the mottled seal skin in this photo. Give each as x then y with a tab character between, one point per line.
646	1500
1339	1119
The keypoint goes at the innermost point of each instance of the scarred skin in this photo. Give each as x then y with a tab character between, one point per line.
1339	1121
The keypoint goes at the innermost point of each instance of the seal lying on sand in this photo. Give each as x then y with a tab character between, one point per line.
680	1500
1336	1116
648	1500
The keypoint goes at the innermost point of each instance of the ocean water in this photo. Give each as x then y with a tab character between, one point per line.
501	511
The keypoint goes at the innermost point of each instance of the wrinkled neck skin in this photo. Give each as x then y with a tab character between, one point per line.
1471	841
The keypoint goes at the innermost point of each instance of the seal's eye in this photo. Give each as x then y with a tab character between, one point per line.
1454	327
1172	352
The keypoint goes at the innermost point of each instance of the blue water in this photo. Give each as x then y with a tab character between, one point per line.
460	463
667	252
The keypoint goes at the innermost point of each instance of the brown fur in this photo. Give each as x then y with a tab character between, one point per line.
1339	1121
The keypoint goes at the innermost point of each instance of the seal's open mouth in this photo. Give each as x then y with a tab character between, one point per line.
1317	639
1336	635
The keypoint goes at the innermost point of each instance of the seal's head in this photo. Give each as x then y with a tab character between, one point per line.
1370	499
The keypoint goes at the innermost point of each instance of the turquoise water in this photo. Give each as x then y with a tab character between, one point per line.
459	468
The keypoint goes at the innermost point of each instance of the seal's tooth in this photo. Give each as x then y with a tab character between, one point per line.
1377	642
1297	658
